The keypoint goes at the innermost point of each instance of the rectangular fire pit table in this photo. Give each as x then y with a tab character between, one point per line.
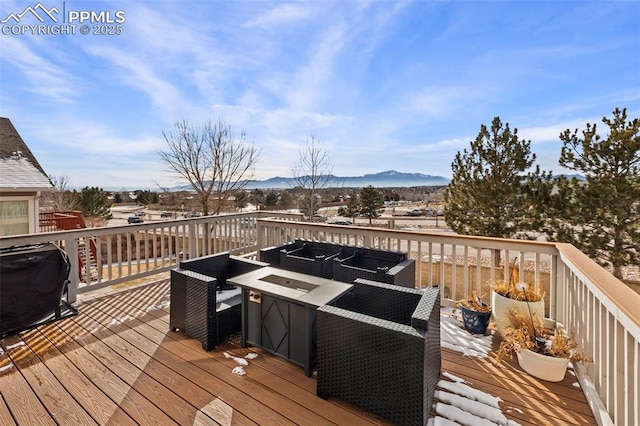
279	311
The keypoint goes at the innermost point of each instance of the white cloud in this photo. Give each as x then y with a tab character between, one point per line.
282	14
143	76
309	82
44	76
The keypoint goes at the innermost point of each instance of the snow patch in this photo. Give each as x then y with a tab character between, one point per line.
120	320
238	360
441	421
470	393
159	306
16	345
454	337
239	371
476	408
453	378
458	403
456	414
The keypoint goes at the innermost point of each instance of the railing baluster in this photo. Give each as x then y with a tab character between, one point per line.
582	296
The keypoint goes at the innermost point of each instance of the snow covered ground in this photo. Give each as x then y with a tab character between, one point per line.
457	402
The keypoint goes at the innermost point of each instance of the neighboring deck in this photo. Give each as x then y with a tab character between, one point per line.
118	363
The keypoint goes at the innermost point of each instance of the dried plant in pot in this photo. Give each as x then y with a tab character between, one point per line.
542	352
512	295
475	314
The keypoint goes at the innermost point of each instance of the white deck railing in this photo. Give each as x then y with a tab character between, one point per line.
102	257
602	312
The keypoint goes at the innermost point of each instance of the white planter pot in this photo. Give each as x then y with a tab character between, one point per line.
502	305
541	366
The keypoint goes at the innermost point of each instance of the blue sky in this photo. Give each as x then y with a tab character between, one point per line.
382	85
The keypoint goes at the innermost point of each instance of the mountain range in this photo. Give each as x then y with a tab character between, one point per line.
388	179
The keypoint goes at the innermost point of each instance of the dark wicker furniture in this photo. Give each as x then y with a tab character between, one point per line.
304	256
342	262
379	348
203	305
271	255
310	257
389	267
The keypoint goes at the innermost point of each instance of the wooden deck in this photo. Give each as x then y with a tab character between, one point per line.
118	363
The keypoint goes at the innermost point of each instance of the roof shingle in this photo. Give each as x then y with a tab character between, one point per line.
19	168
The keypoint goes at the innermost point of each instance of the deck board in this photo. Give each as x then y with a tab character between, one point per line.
321	410
531	401
22	403
117	362
81	353
5	416
97	405
59	403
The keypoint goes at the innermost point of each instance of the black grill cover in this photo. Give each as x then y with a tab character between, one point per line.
33	279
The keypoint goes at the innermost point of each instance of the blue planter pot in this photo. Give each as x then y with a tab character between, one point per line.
475	322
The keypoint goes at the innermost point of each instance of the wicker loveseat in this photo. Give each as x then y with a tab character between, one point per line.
389	267
203	305
379	348
342	262
310	257
305	256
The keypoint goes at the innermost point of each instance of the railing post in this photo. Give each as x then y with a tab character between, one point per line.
193	242
260	231
557	283
368	239
71	247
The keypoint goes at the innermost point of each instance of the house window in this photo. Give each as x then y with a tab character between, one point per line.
14	217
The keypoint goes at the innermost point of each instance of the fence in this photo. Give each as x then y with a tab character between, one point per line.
601	311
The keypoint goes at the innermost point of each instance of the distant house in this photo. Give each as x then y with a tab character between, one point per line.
22	181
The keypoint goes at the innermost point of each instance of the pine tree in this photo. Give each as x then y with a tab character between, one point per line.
271	199
598	215
371	201
93	203
286	200
241	199
494	190
352	209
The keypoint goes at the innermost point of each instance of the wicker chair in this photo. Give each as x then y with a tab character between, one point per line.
376	265
379	348
203	305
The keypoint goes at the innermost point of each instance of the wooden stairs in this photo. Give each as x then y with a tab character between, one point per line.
87	250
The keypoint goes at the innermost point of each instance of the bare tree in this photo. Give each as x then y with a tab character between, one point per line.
212	159
61	199
312	173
